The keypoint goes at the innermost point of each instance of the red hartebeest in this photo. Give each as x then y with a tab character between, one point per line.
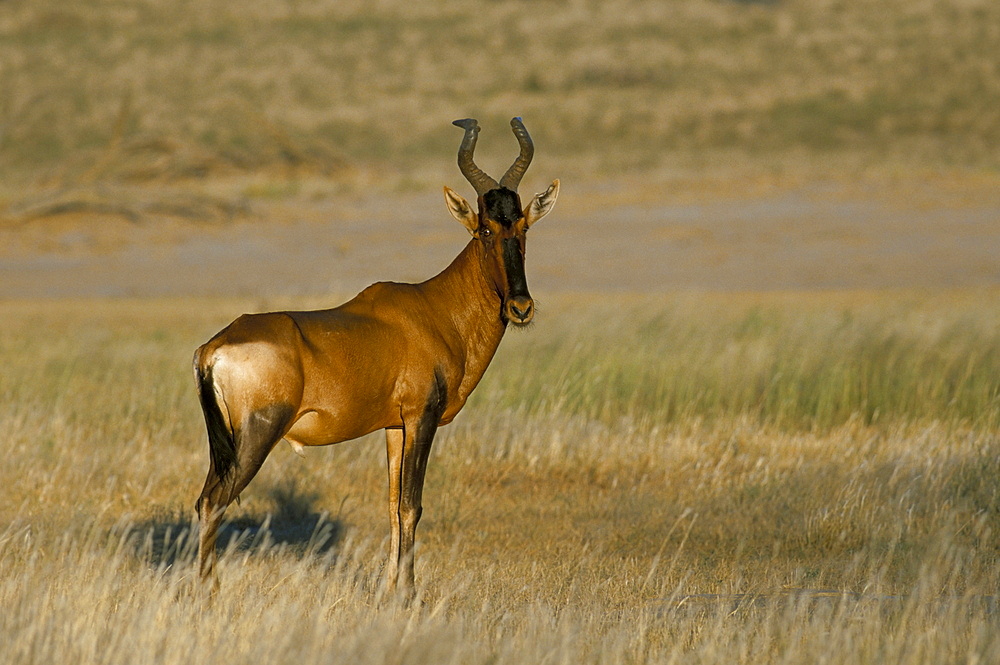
399	357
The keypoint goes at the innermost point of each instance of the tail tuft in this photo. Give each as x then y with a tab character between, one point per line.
221	443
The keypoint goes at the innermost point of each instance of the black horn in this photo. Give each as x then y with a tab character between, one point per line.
512	178
476	176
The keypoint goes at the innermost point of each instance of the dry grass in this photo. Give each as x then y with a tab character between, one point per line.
670	479
794	361
138	89
566	521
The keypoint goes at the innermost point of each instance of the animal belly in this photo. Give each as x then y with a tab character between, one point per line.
318	428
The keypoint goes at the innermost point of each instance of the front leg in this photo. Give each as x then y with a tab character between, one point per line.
407	451
394	439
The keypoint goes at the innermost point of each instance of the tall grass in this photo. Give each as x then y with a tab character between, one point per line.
569	516
93	600
817	363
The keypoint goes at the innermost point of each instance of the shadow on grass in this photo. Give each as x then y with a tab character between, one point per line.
294	527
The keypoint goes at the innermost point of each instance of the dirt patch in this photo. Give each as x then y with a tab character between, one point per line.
610	237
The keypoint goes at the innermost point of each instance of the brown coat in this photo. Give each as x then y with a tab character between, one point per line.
399	357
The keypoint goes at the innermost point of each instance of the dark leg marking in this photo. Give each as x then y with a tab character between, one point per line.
254	440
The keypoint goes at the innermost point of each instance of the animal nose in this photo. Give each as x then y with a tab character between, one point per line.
520	310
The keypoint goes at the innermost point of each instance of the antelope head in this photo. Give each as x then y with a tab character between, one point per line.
501	223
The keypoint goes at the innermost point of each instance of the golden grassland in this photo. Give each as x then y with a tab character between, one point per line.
717	478
675	478
134	90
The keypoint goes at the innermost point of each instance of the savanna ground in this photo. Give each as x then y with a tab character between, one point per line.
755	421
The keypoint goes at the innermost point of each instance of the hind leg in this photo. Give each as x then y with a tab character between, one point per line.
210	508
254	441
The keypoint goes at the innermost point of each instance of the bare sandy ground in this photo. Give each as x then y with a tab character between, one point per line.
600	238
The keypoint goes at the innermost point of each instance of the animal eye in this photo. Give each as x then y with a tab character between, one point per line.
486	233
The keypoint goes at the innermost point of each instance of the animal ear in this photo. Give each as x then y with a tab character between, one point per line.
461	210
541	204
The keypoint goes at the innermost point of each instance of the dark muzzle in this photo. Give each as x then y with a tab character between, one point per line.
518	306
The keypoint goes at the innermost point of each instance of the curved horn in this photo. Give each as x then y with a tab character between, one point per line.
512	178
476	177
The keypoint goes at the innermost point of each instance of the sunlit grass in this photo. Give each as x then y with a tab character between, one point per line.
569	514
97	598
817	362
696	478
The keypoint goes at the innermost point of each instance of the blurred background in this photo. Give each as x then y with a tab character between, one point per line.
711	144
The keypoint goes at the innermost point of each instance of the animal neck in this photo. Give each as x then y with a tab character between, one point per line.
473	302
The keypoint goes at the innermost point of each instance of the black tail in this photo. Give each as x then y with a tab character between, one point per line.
221	445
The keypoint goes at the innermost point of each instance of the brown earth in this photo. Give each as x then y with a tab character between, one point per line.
610	236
